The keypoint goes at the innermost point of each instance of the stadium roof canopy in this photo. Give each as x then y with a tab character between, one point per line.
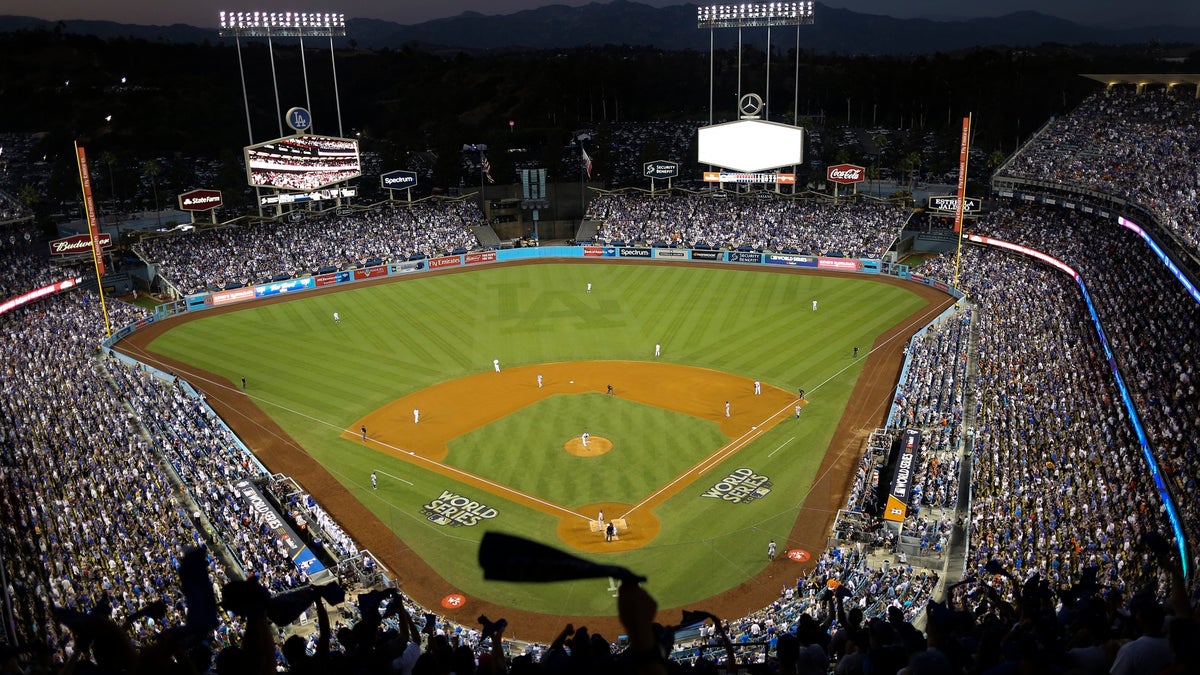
1142	79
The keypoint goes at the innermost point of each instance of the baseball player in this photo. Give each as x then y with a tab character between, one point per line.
337	318
416	415
727	408
539	380
374	481
757	388
584	438
496	364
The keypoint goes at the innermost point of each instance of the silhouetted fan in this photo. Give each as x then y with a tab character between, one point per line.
506	557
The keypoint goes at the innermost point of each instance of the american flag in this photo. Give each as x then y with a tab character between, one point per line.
487	168
587	159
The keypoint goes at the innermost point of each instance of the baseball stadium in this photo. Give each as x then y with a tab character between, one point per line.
732	421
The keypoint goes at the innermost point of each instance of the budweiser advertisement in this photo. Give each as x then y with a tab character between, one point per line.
846	174
78	244
200	200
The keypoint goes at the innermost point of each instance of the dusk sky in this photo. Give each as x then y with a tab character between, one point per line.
204	12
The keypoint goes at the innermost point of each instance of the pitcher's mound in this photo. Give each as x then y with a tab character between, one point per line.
597	445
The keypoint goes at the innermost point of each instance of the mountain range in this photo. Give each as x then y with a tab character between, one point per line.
623	22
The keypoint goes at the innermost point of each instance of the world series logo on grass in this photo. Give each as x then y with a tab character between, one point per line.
741	486
455	510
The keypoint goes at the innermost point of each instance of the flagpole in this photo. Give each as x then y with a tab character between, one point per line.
89	209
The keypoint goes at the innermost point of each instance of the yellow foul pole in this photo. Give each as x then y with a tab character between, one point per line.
89	208
964	151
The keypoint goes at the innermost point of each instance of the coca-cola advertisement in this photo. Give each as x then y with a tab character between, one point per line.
846	174
78	244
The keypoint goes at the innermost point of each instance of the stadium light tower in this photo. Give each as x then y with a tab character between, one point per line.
284	25
753	15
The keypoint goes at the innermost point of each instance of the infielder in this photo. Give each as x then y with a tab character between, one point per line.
658	350
727	408
539	380
757	388
416	415
496	364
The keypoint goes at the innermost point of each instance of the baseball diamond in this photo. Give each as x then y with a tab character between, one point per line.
689	489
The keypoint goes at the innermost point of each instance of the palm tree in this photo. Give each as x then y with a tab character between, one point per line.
995	159
873	176
151	170
108	159
910	163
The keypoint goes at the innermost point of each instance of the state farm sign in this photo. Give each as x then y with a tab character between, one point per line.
846	173
200	200
78	244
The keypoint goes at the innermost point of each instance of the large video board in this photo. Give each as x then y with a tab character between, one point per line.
302	162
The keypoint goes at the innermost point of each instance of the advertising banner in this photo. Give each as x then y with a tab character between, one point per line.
593	251
843	264
708	255
634	252
846	174
285	536
481	257
408	266
370	272
673	253
89	205
281	287
225	297
78	244
736	177
42	292
745	256
902	480
792	260
326	279
200	200
450	261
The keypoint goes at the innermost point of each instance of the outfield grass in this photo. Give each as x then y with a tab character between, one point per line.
316	378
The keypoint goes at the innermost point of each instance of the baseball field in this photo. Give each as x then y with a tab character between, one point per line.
696	470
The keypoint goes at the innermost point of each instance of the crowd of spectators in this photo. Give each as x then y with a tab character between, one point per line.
1058	480
846	229
1143	147
26	266
248	254
1149	319
1060	489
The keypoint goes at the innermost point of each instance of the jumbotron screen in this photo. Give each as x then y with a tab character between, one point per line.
302	162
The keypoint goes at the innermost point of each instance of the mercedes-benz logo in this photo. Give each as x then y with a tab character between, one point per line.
750	104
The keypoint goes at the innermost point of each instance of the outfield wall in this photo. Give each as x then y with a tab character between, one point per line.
208	300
